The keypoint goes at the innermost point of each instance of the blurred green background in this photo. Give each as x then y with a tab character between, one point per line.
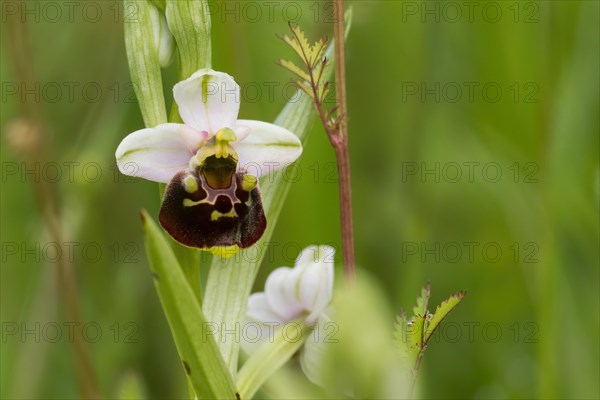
474	147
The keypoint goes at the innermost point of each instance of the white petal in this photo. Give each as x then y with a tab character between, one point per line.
266	148
316	281
158	153
280	290
260	310
208	100
311	356
261	322
313	254
241	132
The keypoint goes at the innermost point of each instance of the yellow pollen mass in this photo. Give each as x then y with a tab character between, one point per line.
223	137
249	182
224	251
190	184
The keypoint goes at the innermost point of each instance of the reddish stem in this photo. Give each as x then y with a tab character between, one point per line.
340	143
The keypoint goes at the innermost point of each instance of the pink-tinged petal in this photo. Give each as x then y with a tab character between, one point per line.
158	153
267	147
241	132
208	100
280	290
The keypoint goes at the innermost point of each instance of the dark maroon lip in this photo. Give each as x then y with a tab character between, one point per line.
208	217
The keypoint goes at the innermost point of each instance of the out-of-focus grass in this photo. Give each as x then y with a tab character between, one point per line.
529	324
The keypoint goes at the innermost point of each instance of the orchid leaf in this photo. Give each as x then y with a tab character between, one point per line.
189	22
197	349
144	66
269	358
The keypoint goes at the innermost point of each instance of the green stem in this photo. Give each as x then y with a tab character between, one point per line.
189	259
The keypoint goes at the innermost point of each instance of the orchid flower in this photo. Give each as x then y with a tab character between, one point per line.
212	163
291	294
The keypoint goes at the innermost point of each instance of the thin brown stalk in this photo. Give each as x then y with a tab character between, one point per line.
47	204
341	144
336	126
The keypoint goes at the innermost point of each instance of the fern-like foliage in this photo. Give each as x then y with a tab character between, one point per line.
412	334
310	77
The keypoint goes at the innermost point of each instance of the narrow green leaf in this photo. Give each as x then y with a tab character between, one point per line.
160	4
270	357
441	311
197	349
189	22
144	67
189	259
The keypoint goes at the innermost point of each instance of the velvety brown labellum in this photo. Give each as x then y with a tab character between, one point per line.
197	214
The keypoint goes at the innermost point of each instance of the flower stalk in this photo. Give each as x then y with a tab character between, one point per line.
341	144
334	120
229	283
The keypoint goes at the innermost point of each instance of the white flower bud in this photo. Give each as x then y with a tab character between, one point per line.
163	39
304	291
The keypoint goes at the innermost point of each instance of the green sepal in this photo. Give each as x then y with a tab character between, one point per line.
189	22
